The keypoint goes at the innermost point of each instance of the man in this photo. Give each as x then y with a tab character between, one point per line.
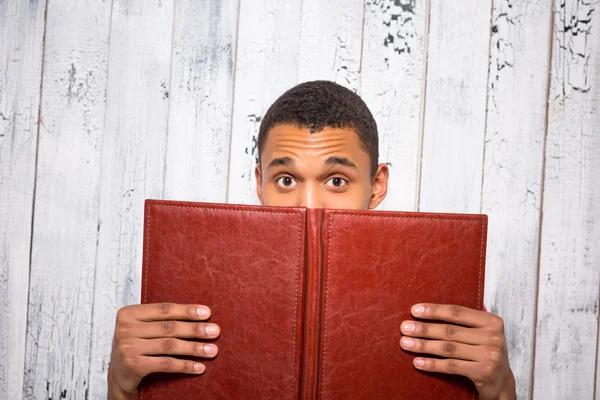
318	147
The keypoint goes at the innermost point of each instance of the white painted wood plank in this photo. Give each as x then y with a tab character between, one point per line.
454	122
65	227
330	42
133	146
267	65
392	82
201	95
512	181
21	47
567	324
597	385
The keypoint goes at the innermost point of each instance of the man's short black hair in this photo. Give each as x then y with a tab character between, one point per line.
319	104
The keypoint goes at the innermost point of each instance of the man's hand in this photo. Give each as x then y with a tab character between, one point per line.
472	344
147	336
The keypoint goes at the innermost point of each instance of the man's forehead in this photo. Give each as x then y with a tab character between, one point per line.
333	160
282	138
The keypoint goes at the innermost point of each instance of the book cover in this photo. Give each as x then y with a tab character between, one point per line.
309	301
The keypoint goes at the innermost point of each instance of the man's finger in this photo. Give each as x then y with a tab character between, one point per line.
441	348
165	311
175	329
452	313
147	365
448	366
448	332
173	346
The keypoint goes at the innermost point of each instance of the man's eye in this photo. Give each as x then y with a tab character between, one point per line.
287	182
336	182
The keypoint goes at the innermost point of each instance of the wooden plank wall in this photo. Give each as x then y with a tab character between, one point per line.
487	106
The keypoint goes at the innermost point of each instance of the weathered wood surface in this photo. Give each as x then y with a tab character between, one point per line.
513	167
65	229
21	49
569	277
455	104
266	66
201	97
392	78
330	42
133	156
164	99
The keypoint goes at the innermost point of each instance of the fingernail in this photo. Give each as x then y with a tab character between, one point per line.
211	330
419	362
409	327
202	312
407	342
210	349
199	367
418	309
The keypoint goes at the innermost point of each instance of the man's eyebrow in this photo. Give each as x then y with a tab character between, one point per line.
281	161
340	161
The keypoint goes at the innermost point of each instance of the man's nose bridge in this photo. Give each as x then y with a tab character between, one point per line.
309	196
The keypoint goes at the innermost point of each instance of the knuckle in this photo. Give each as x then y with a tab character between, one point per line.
123	314
163	308
199	348
451	331
497	341
187	366
449	348
168	344
494	356
456	311
488	371
431	364
130	363
120	334
421	346
497	323
452	366
423	328
124	350
167	327
166	364
199	330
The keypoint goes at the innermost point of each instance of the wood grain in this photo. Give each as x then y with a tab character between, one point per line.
65	228
513	167
569	277
330	42
204	48
21	47
267	65
455	105
392	82
133	147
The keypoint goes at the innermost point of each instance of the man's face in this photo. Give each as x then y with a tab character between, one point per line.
327	169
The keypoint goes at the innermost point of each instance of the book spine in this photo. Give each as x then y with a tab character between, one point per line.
312	305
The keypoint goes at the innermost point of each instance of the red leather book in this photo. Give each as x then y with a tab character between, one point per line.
309	301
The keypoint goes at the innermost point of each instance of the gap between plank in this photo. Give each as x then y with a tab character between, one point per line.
423	106
541	213
37	151
164	178
235	58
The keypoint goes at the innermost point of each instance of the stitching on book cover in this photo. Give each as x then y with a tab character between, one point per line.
299	266
325	308
231	208
441	217
147	251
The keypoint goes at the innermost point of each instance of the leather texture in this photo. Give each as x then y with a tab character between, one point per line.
309	301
